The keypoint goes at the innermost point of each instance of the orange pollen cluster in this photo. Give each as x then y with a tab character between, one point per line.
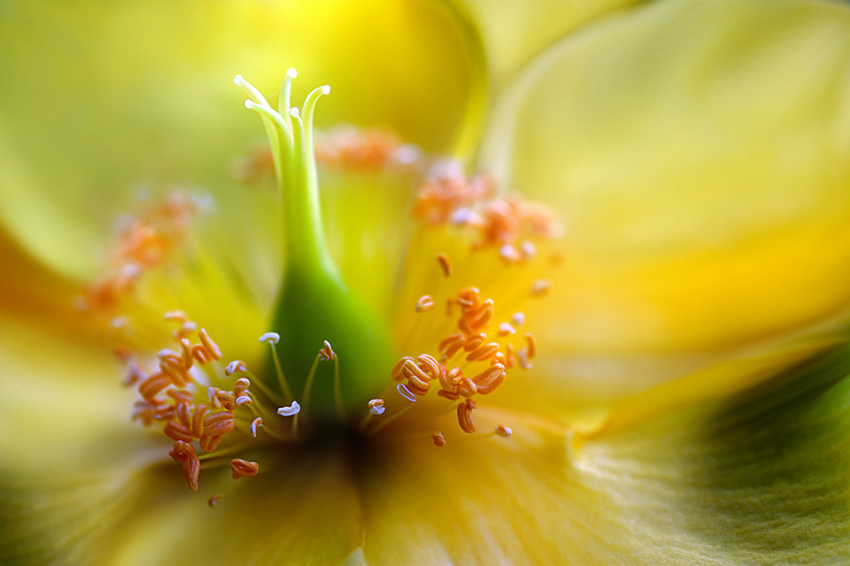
416	376
352	149
168	395
450	198
143	242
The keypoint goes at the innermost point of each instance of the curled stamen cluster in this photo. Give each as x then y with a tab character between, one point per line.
449	197
468	346
168	395
143	242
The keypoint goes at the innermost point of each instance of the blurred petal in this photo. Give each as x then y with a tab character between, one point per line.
108	98
698	153
758	479
79	483
513	32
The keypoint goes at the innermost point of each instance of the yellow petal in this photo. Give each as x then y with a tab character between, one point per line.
513	32
698	155
756	479
79	483
109	99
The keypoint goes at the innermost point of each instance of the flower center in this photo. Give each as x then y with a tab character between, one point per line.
473	261
314	304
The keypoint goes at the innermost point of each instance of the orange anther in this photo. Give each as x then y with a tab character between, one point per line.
396	372
184	453
243	468
449	341
217	424
155	383
445	264
425	303
198	420
212	348
177	431
439	439
464	416
484	352
490	379
209	443
472	342
532	344
467	387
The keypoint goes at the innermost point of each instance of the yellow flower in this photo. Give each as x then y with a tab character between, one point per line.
668	378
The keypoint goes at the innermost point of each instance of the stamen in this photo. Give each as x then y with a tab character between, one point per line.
464	416
273	338
425	303
213	500
270	337
376	407
184	453
218	424
532	345
255	424
518	318
405	392
327	353
439	439
212	347
485	352
504	431
235	366
540	287
505	329
290	411
445	264
243	468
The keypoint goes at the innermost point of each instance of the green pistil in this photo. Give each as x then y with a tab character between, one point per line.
314	304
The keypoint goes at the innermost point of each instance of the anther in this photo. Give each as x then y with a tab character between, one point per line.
472	342
243	468
209	443
532	345
518	318
467	387
255	424
405	392
212	347
218	424
177	431
449	341
290	411
504	431
213	500
184	453
540	287
175	316
425	303
505	329
376	407
439	439
464	416
327	353
485	352
490	379
270	337
235	366
155	383
198	421
242	384
397	373
445	264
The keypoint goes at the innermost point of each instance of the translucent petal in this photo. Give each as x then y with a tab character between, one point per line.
698	155
79	483
513	32
756	479
109	99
